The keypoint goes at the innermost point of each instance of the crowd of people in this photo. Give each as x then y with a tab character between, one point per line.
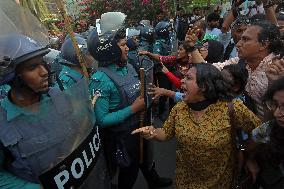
221	95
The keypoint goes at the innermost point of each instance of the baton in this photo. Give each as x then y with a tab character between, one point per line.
142	114
62	10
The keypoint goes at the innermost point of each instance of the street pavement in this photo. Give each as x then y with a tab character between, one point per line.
164	156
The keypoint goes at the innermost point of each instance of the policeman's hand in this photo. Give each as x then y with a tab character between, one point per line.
156	91
275	70
148	132
138	105
191	36
143	53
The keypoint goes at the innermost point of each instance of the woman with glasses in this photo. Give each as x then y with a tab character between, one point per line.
270	140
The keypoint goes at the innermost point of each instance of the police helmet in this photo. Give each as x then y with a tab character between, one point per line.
146	32
131	32
68	54
145	23
162	30
15	49
104	47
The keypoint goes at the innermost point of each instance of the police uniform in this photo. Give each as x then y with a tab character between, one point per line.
4	91
34	142
69	76
161	47
119	87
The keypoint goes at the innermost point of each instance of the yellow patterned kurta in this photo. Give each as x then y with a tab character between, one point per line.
204	156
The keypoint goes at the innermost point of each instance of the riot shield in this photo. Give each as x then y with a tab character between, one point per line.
15	19
112	21
56	137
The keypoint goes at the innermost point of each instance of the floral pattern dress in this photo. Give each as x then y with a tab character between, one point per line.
204	159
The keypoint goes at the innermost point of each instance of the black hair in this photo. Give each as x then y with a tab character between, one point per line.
215	51
240	75
258	18
275	87
187	46
120	34
195	8
213	17
159	11
210	80
273	151
270	32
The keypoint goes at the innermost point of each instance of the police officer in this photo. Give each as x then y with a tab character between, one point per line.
161	47
118	107
148	165
146	36
133	40
71	69
38	125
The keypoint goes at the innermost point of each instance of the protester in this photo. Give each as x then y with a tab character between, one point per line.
270	139
178	64
202	160
258	45
213	24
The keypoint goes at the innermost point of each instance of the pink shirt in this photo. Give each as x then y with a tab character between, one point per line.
257	81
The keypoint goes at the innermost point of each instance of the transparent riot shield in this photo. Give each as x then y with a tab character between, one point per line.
112	21
15	19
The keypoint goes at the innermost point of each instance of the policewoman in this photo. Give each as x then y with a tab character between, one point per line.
117	109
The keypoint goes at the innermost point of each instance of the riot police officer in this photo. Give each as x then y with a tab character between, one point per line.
146	36
133	40
39	125
27	81
117	108
71	69
161	47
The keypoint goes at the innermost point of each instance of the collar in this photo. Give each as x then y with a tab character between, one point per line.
117	68
71	71
264	63
13	111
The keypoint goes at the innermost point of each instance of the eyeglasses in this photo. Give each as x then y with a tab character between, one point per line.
271	105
